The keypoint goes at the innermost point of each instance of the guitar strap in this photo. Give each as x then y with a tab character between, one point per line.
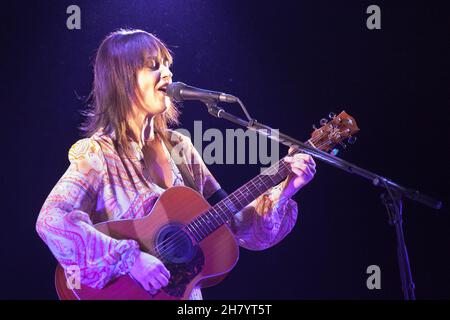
181	165
187	177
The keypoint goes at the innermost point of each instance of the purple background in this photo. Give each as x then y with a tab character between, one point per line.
291	64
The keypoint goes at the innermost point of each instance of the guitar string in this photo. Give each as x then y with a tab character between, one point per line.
202	230
173	241
267	173
178	237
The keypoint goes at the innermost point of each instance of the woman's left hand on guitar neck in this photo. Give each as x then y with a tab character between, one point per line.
303	170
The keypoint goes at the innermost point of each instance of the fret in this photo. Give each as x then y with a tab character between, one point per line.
199	229
197	232
204	223
229	204
221	212
258	188
269	176
259	184
237	197
196	236
311	143
214	214
209	221
264	182
225	209
212	220
283	171
247	194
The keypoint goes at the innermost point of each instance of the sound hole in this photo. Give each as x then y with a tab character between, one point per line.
174	245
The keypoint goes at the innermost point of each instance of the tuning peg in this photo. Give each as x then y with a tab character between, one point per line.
351	140
332	115
314	127
323	121
343	145
335	151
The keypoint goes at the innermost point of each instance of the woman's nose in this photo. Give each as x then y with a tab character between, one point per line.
165	72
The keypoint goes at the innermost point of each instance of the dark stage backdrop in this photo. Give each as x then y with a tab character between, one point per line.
291	62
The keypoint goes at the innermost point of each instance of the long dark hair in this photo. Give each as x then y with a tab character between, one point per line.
115	89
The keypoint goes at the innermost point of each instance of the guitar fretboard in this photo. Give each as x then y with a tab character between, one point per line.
224	210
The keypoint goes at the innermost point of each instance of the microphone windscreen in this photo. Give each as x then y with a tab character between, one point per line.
174	90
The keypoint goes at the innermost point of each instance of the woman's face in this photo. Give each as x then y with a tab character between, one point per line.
152	81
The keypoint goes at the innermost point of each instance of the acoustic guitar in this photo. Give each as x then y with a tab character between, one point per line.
191	237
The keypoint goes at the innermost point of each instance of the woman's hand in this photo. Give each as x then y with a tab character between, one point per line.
150	272
303	170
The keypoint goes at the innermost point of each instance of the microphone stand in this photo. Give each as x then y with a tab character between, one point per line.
391	198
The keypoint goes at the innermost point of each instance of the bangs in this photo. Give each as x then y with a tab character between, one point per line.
137	46
153	47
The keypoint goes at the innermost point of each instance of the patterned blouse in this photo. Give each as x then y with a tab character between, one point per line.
102	185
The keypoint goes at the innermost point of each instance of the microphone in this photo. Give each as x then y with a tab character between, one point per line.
180	91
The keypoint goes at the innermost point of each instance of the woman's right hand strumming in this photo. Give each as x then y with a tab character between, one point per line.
150	272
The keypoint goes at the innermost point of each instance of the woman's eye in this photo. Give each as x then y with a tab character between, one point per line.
154	65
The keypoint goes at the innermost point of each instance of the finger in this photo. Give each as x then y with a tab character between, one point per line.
299	172
152	291
305	171
303	162
305	157
291	149
297	160
165	271
154	283
145	284
162	278
309	173
299	165
305	167
312	162
163	281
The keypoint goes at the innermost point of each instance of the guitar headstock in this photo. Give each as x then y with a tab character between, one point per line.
334	131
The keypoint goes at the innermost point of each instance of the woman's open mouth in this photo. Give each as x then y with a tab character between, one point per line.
163	88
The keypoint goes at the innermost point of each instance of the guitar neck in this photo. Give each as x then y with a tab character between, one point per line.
324	138
225	209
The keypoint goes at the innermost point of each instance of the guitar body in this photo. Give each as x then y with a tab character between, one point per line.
191	264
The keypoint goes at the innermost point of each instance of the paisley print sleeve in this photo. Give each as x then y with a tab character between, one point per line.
65	224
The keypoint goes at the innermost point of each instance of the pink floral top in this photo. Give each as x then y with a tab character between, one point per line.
100	185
